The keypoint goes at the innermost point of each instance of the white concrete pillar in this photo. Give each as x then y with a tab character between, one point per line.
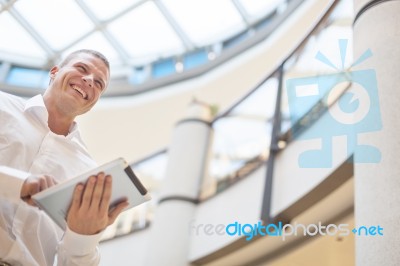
188	155
377	185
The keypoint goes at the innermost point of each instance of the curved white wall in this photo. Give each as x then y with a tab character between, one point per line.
135	126
153	116
242	203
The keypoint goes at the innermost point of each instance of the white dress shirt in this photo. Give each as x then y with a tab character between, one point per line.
27	235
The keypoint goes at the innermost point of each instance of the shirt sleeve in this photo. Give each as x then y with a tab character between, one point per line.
75	249
11	181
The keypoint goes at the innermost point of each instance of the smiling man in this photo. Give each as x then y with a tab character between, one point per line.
40	145
75	87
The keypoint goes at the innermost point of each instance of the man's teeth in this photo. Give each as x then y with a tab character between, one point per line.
80	91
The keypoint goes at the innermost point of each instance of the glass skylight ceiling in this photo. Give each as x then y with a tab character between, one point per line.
128	32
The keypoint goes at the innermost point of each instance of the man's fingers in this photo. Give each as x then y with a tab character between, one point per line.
30	187
105	201
89	212
31	202
43	183
88	192
50	181
33	188
116	211
98	191
76	198
33	185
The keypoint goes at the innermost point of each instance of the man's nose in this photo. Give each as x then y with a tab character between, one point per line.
88	79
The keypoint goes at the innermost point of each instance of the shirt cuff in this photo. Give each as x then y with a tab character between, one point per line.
80	245
11	182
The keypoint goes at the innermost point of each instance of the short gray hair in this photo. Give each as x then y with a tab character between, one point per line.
85	51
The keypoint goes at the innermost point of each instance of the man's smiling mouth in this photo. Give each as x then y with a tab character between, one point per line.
82	92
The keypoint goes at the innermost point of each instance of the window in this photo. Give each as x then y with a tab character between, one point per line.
27	77
195	59
163	68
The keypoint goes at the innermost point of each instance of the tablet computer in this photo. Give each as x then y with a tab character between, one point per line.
55	201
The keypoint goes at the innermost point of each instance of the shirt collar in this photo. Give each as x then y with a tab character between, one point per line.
36	106
35	103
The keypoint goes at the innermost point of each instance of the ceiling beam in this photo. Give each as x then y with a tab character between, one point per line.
28	28
125	11
243	12
102	27
175	25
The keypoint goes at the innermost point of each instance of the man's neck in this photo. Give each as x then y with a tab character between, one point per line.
59	122
59	125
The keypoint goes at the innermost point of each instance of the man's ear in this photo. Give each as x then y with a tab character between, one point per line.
53	71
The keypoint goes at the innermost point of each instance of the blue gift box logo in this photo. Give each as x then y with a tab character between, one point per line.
357	111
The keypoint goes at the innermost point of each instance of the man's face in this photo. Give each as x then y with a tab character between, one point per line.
78	84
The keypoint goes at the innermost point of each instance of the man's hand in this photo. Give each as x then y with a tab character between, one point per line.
89	212
33	185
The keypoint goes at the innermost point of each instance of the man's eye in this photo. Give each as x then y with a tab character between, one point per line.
81	68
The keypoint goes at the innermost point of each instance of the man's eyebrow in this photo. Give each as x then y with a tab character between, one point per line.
81	63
